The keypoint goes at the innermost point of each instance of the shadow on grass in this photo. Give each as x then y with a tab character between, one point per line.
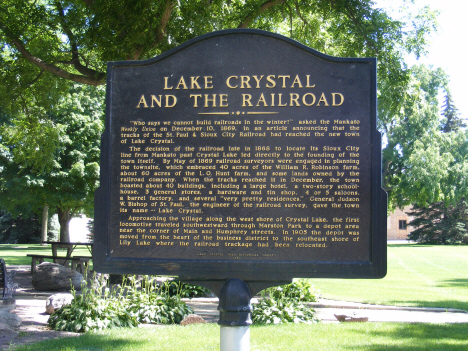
420	337
454	283
88	342
162	338
409	245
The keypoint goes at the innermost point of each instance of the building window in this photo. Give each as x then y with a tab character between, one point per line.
402	224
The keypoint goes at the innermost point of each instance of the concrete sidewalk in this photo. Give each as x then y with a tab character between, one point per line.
327	309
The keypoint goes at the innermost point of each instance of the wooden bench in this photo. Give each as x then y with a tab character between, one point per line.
77	262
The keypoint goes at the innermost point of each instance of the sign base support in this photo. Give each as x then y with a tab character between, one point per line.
234	308
235	338
234	315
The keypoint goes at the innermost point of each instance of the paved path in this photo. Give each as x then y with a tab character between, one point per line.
327	309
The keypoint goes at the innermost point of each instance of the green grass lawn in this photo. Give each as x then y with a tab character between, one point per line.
418	275
15	254
320	337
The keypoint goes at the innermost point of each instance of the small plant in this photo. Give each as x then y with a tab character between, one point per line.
177	288
285	304
300	290
96	308
154	304
278	311
125	305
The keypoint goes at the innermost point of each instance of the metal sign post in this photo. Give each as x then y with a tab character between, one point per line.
234	312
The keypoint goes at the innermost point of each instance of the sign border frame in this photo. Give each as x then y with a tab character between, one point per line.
208	270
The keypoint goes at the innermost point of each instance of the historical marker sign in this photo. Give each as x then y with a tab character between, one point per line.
241	154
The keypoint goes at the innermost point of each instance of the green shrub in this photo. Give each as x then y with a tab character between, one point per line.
284	304
157	309
177	288
278	311
125	305
300	290
154	304
96	308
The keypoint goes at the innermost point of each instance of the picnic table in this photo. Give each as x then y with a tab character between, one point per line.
77	262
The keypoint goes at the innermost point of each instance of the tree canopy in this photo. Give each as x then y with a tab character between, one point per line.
425	155
426	160
418	114
45	43
61	169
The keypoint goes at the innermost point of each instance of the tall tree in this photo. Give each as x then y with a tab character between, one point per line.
416	118
44	224
435	180
60	170
452	120
440	224
436	169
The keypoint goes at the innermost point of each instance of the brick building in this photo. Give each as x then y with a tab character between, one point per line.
397	224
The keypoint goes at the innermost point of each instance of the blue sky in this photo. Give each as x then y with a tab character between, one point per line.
449	48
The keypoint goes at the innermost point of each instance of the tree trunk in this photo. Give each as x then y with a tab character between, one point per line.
64	220
45	219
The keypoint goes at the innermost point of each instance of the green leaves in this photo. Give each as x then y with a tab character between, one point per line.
278	311
33	142
437	167
174	287
52	156
47	42
411	150
155	308
285	304
300	290
99	307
